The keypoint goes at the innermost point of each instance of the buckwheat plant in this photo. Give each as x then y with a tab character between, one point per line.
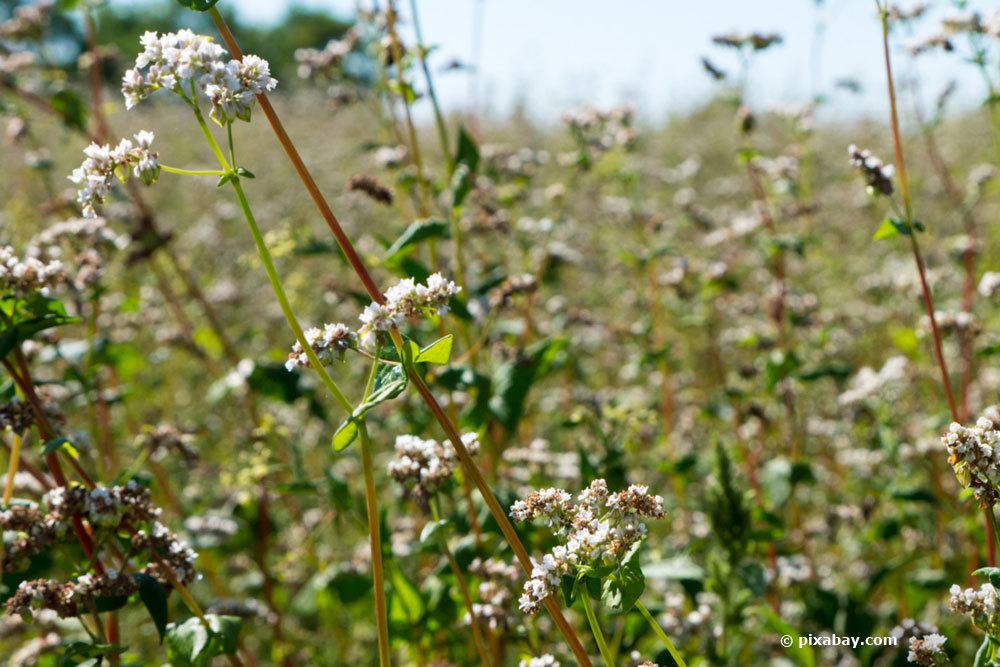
600	535
200	73
230	94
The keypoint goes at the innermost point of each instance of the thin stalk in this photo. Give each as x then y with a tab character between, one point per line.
190	602
374	533
270	270
904	191
442	130
438	116
191	172
468	465
463	586
15	459
416	158
667	644
595	629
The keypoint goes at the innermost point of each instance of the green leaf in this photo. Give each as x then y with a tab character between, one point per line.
466	164
406	605
513	379
349	585
346	433
70	108
191	644
679	568
983	654
991	573
198	5
433	532
154	598
416	233
244	172
30	316
110	602
461	185
891	227
801	655
780	366
621	590
227	633
569	589
187	643
466	151
225	178
438	352
75	650
390	381
55	444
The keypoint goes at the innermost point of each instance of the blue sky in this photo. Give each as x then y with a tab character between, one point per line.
557	53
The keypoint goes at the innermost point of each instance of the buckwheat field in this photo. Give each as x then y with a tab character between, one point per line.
303	367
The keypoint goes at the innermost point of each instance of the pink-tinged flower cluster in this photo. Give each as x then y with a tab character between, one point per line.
597	527
974	453
424	466
404	300
195	66
95	176
329	344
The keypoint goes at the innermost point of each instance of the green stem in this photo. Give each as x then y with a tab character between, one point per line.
595	628
272	273
438	116
374	529
191	172
669	645
991	515
375	544
286	307
463	587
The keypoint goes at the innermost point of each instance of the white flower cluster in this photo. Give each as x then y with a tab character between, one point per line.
89	231
192	65
175	553
878	176
424	466
406	299
954	322
329	344
325	62
544	660
989	284
493	607
600	131
980	605
26	21
868	382
103	164
974	453
23	276
597	527
102	506
928	651
71	598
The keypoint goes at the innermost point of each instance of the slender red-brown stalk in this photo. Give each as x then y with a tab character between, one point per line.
375	293
904	191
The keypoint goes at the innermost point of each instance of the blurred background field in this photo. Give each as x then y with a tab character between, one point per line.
800	464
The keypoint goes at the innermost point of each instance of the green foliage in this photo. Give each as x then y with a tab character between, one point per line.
390	382
24	317
416	233
191	644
